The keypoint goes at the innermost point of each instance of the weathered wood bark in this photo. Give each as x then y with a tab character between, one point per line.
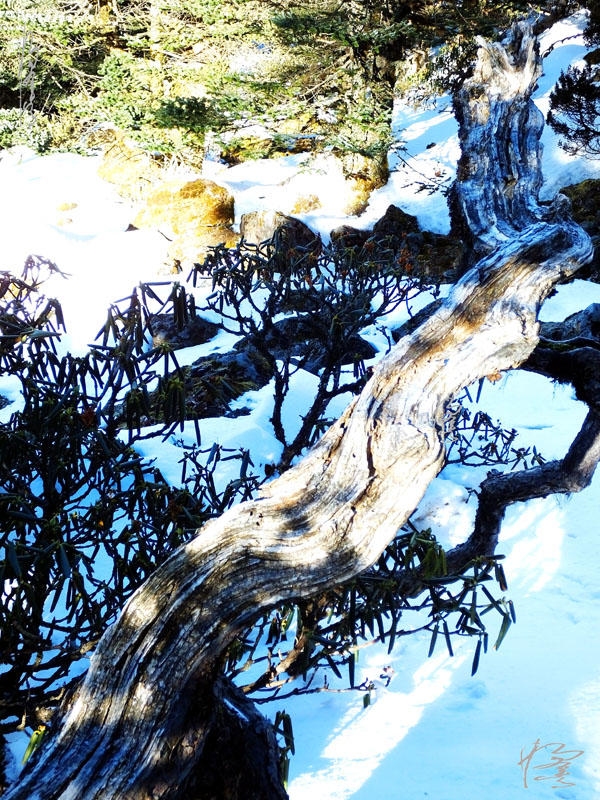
568	352
240	757
145	710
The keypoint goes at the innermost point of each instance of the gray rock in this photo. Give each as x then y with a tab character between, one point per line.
261	226
195	331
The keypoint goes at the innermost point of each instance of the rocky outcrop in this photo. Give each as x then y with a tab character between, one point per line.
435	257
394	221
194	214
290	239
348	237
212	382
299	339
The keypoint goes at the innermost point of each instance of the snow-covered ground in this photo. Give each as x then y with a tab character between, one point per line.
435	732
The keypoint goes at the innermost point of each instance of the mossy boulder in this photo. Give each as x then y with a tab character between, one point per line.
363	175
585	201
184	206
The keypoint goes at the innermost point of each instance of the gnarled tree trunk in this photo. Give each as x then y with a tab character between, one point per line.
143	715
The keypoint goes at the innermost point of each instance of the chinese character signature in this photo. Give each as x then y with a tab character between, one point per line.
559	763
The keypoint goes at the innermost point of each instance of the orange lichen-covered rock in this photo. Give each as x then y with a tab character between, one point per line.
183	206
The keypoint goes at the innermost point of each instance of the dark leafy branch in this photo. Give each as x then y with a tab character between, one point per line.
334	292
76	493
85	518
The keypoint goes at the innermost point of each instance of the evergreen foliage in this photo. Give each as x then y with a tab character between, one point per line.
574	110
575	100
166	71
334	292
85	519
592	31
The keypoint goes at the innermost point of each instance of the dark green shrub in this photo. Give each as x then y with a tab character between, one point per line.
337	292
574	110
85	519
19	127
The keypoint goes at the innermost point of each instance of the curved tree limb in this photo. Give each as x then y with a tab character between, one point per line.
145	709
499	490
569	352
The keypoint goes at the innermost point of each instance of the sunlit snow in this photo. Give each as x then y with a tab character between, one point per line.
434	732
